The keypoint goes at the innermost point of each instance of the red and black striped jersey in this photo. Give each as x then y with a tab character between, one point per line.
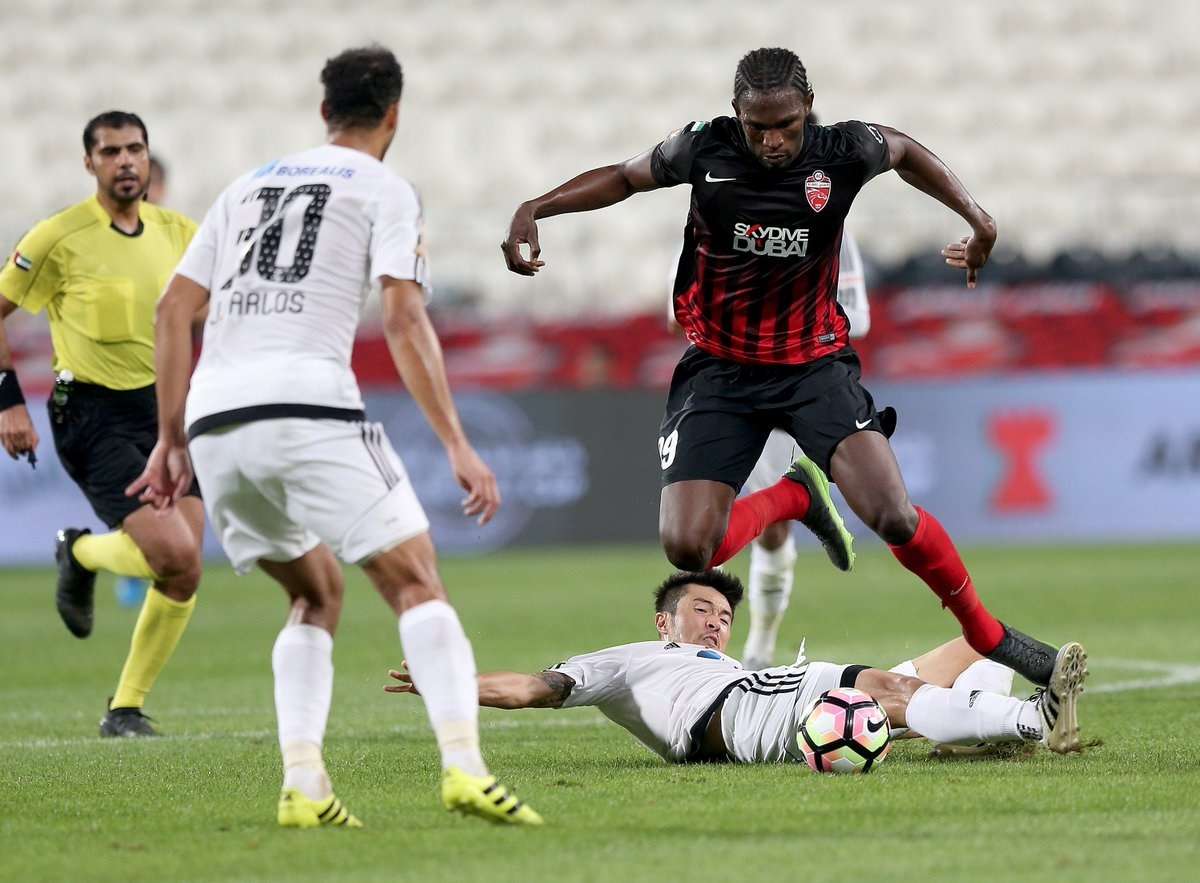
758	277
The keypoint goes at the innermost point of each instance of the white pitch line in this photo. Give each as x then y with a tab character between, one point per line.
1169	674
414	729
1166	674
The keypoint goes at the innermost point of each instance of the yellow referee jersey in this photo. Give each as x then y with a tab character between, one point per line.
99	287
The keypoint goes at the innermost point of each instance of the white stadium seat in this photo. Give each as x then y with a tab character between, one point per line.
1073	121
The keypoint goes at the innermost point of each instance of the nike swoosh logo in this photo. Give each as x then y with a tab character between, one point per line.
711	180
960	588
863	424
876	726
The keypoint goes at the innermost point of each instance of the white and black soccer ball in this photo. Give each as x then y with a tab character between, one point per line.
844	731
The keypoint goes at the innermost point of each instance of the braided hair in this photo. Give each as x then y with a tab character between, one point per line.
762	70
360	85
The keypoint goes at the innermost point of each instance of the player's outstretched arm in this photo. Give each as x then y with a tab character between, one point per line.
921	168
17	433
168	473
417	353
506	689
592	190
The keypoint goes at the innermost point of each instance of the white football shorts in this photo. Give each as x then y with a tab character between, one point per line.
274	489
760	718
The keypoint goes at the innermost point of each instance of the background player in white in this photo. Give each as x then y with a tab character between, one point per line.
292	473
686	700
773	553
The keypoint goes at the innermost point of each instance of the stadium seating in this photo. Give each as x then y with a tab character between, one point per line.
1071	121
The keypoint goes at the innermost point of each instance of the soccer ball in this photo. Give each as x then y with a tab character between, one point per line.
844	731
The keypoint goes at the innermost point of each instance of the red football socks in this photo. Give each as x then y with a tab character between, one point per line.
786	500
931	555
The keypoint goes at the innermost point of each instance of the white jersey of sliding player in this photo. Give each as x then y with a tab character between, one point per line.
664	693
288	253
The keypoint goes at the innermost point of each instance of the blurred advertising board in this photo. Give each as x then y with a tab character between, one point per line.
1091	457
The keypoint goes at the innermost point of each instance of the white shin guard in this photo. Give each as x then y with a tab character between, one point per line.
302	660
771	577
970	716
442	666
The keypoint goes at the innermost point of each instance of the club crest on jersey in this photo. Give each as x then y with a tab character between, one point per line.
816	190
21	261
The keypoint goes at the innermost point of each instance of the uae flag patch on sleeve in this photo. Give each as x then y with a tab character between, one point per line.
21	261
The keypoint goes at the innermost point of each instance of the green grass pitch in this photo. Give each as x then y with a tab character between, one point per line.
199	804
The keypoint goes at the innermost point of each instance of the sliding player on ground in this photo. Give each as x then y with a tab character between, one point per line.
683	698
294	476
773	552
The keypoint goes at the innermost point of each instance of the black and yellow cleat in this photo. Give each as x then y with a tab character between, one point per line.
75	594
483	796
298	811
823	518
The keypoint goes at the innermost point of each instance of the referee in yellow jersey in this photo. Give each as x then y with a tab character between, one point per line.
97	269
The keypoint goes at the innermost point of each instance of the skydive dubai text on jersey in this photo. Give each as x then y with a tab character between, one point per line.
772	242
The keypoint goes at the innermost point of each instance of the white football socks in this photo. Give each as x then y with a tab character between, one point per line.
983	674
442	666
303	663
771	577
971	716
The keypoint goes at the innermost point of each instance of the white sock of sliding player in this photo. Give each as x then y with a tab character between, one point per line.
302	660
442	666
988	676
944	715
771	577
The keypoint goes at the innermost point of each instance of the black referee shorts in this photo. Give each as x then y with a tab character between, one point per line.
103	438
719	413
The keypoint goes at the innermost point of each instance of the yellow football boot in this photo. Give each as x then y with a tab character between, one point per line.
483	796
298	811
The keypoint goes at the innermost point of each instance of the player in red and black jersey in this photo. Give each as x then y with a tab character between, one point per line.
756	295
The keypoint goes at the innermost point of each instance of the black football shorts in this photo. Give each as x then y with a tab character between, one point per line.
103	438
719	413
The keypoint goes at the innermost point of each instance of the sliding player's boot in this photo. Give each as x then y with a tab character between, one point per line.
486	798
1057	703
823	518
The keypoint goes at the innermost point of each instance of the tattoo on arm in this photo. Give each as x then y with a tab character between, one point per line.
560	688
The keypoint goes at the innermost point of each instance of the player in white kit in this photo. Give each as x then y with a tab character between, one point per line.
683	698
773	553
294	476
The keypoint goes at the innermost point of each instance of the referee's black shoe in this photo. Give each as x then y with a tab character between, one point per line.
76	584
126	723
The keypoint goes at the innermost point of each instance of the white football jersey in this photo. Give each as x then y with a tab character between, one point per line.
657	690
289	253
852	287
662	693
